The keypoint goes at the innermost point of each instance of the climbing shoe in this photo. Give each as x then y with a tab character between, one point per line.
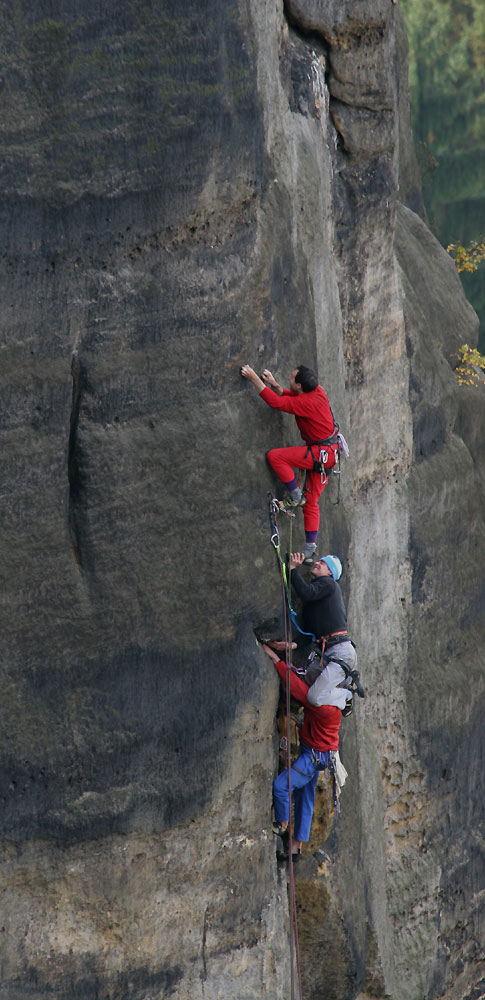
295	855
309	550
277	828
289	503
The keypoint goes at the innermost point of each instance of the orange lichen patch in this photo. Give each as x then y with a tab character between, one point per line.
322	814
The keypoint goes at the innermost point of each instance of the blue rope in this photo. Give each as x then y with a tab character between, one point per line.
295	623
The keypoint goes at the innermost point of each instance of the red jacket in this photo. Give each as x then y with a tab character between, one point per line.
310	409
321	724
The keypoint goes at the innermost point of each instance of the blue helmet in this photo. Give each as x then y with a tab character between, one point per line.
334	565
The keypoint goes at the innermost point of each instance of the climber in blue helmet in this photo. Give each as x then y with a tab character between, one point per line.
323	618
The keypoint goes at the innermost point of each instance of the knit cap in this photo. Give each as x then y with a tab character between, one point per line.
334	565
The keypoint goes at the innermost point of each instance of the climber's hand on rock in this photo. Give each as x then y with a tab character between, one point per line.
248	372
269	378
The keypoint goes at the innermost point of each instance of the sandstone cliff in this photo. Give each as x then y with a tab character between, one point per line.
185	188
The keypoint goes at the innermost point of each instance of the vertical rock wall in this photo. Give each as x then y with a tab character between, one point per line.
185	189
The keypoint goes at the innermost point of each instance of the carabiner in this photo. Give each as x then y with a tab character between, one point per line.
323	457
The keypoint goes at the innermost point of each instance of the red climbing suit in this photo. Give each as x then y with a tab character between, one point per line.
315	422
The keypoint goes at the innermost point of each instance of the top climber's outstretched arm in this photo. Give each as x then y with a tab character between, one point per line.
248	372
267	379
281	399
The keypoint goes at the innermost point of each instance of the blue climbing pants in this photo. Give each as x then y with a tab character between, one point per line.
304	776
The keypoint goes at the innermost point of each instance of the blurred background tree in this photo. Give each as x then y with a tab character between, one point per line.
447	86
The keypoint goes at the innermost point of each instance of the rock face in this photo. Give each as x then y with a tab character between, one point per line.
184	189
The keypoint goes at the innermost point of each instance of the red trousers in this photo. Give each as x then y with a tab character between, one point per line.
284	461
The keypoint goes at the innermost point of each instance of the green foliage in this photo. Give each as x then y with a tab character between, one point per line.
467	258
447	86
470	369
446	77
446	53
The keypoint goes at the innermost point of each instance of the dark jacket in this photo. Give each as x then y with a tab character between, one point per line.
323	606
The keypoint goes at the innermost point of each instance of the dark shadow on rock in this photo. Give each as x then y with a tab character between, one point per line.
137	742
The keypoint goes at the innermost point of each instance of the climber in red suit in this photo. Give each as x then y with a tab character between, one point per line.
310	406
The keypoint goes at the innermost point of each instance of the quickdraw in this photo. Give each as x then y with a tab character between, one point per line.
275	541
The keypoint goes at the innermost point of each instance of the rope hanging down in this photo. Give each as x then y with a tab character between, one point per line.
294	943
275	541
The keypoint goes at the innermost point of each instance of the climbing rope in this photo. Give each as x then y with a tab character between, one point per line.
275	541
295	964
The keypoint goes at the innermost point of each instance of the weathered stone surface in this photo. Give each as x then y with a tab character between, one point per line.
337	19
360	78
365	133
176	199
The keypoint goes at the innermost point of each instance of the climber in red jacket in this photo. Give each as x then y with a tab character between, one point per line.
310	406
319	743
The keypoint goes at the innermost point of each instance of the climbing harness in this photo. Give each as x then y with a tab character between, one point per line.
336	443
352	677
320	758
328	764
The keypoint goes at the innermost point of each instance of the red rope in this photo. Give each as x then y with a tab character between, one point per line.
294	943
